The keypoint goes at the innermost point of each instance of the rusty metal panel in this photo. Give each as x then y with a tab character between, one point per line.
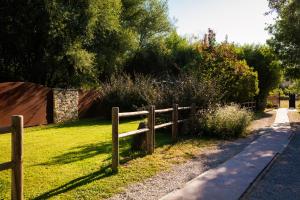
31	100
89	104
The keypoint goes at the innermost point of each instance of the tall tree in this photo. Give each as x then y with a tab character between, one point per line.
76	42
286	33
221	63
265	62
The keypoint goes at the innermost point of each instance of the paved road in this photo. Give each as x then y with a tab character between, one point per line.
282	181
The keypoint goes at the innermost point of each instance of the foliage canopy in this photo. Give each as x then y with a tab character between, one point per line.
59	43
286	34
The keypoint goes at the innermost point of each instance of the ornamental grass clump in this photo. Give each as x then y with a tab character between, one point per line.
228	121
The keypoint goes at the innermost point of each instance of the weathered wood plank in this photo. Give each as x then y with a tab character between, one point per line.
115	139
182	121
151	132
131	114
164	110
139	131
163	125
17	157
175	122
184	108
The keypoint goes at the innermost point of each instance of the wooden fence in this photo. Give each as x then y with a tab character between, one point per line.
149	130
274	100
249	105
16	163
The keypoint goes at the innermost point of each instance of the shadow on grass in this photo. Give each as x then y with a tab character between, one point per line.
102	173
87	151
80	153
260	115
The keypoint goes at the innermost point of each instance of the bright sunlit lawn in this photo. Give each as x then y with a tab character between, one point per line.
72	161
285	103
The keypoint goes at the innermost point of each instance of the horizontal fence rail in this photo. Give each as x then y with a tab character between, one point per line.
16	163
149	129
184	108
163	125
144	130
4	130
164	110
131	114
249	105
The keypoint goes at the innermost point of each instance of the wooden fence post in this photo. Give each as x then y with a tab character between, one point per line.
279	100
17	157
193	110
151	132
175	122
193	115
115	139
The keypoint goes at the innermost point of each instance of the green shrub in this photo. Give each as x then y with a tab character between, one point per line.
137	92
188	89
220	63
270	104
127	93
228	121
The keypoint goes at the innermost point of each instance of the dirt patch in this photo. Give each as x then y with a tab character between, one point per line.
294	118
262	120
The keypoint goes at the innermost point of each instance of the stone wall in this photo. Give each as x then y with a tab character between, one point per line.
65	105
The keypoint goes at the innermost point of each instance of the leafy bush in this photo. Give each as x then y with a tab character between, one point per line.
169	53
127	93
221	63
188	89
270	104
137	92
228	121
264	61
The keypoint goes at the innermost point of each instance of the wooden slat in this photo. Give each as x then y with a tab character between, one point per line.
139	131
6	165
184	108
163	125
17	157
150	137
130	114
4	130
175	122
249	104
164	110
115	138
182	120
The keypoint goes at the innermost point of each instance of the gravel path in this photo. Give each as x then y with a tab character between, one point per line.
165	182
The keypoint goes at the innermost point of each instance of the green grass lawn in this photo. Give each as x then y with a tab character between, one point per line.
72	161
285	103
